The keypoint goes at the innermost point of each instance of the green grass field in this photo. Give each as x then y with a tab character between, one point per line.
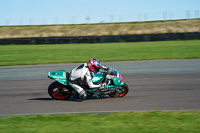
131	122
69	53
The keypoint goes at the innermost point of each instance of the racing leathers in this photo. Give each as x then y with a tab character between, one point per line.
82	74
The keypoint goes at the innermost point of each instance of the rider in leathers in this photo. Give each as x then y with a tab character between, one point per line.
84	73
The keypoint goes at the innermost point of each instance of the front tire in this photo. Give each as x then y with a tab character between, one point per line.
58	91
123	90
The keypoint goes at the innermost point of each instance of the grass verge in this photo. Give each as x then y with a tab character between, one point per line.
101	29
131	122
68	53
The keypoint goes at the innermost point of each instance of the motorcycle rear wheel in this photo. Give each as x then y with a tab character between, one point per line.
123	90
58	91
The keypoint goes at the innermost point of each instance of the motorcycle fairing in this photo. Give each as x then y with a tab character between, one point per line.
60	76
113	74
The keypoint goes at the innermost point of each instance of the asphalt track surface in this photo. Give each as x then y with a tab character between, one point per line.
154	85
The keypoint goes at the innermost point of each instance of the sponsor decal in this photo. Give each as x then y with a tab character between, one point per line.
64	74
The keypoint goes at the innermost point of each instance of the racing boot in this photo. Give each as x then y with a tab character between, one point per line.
82	95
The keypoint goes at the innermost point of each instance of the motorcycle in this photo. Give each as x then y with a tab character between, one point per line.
114	87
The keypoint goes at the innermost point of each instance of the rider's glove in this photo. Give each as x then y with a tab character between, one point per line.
104	67
107	68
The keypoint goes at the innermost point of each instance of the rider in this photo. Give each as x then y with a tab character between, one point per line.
84	73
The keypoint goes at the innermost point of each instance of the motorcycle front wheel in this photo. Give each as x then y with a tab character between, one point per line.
58	91
123	90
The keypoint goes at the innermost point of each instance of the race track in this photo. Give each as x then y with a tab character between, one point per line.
154	85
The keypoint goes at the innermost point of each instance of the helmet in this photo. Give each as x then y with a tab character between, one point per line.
94	65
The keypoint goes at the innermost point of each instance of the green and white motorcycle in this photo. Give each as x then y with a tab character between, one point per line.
61	90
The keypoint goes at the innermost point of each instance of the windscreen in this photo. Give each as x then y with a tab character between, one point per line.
113	71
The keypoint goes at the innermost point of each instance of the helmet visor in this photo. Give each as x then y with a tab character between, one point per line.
96	68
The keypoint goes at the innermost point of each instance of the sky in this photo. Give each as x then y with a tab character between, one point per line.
33	12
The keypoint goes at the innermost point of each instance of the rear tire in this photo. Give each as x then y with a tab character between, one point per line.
59	91
123	90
